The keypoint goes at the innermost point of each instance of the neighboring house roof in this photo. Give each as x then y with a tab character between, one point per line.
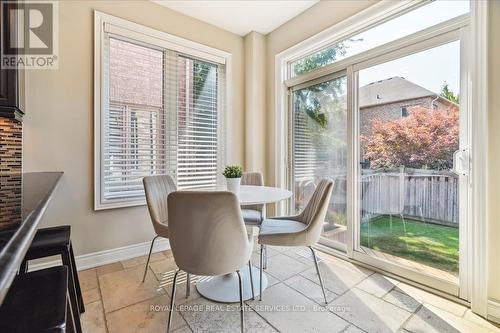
391	90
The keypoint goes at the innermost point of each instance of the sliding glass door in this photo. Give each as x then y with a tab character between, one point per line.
389	124
409	132
319	149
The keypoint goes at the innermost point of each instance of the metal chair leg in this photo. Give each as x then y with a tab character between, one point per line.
242	318
188	285
66	260
77	281
260	269
265	258
149	257
251	277
319	274
172	301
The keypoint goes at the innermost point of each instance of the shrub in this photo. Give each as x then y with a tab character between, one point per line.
425	139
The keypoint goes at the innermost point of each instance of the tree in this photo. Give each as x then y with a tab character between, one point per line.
425	139
447	93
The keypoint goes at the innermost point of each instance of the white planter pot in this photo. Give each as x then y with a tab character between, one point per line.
233	185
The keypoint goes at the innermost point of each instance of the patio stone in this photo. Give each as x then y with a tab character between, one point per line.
147	316
88	279
93	319
205	316
289	311
142	260
336	277
428	320
161	267
109	268
91	295
309	289
377	285
402	300
369	312
283	267
124	288
428	298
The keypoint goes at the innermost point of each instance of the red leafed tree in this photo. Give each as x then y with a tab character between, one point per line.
426	138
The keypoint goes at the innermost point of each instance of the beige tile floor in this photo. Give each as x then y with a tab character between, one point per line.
359	301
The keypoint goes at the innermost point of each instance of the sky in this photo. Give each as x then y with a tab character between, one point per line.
429	68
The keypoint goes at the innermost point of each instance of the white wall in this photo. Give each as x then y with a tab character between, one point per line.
58	127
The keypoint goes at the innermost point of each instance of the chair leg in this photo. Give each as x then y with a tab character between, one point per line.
72	290
149	257
242	318
319	274
265	258
172	301
188	285
77	280
251	277
70	316
260	271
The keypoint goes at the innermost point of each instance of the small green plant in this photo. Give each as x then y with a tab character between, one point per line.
233	171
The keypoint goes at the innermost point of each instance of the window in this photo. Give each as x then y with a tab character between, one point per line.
334	112
159	110
415	20
404	111
320	149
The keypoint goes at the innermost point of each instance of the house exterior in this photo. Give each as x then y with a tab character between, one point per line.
390	99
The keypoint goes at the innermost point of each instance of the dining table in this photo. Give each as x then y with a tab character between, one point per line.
224	288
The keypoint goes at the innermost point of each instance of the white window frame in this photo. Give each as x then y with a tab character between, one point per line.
104	23
474	59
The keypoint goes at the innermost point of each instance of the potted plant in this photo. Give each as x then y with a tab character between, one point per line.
233	175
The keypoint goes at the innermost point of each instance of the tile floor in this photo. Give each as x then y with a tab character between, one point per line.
359	300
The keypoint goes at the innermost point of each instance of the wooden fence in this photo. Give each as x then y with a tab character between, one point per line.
420	194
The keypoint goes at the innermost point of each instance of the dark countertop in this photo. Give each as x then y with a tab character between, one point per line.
23	199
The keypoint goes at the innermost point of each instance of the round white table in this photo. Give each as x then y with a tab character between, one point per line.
224	288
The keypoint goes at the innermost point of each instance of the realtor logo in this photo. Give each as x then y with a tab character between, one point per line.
29	34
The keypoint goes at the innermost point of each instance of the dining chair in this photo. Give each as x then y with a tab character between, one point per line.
157	189
208	237
253	215
300	230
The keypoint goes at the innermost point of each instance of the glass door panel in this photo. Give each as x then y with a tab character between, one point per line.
319	150
409	130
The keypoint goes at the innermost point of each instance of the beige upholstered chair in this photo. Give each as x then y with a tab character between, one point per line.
157	189
207	236
301	230
253	214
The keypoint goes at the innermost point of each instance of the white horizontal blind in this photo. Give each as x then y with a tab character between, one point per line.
134	136
162	115
197	120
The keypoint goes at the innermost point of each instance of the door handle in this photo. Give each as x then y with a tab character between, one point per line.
461	162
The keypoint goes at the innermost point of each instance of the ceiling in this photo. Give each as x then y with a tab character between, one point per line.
241	17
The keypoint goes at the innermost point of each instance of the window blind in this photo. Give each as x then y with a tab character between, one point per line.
162	114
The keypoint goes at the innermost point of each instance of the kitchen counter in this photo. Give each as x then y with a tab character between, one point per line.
23	200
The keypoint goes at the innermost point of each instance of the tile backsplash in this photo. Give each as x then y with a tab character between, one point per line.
11	137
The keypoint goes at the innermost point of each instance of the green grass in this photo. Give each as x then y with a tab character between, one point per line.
429	244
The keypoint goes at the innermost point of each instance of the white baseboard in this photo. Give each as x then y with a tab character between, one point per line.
494	310
100	258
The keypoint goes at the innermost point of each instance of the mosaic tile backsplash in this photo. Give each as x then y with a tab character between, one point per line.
11	136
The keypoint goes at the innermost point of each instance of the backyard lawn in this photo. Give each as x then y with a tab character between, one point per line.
425	243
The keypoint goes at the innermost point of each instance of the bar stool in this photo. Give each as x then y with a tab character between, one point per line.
56	241
38	302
